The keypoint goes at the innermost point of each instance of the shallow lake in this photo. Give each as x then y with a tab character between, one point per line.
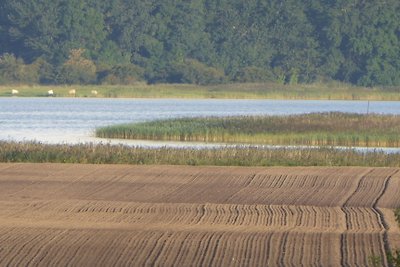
73	120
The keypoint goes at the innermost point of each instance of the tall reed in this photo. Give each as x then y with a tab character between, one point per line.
321	129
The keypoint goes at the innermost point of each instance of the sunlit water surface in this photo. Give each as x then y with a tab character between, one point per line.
74	120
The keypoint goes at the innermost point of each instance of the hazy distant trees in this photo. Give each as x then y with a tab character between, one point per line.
200	41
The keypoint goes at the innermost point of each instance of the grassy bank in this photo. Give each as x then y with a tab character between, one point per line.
317	129
98	154
334	91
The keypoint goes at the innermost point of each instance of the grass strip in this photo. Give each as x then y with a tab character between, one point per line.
328	91
228	156
316	129
393	257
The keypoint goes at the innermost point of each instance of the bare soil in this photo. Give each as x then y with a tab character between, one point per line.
113	215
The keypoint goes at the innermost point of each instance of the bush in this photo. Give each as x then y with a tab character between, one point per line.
77	69
121	74
9	68
294	76
45	71
13	70
195	72
254	74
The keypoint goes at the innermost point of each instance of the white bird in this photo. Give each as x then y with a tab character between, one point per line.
50	93
72	92
94	92
14	92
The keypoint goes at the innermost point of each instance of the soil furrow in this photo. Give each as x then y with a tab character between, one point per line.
118	215
381	217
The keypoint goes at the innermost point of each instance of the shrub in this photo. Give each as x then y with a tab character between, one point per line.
195	72
294	76
45	70
280	75
121	74
13	70
9	68
77	69
254	74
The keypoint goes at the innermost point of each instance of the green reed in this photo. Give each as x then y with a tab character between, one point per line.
315	129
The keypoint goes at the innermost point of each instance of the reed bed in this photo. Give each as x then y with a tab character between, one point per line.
227	156
316	129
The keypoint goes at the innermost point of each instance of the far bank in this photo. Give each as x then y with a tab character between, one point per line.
315	91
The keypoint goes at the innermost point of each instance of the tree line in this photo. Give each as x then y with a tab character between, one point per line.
200	41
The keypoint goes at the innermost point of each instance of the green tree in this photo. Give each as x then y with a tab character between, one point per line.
31	26
288	41
81	26
367	35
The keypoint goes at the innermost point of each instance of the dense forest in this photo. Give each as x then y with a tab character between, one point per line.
200	41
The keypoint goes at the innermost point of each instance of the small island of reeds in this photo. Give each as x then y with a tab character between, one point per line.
314	129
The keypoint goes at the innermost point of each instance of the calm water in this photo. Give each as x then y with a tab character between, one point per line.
73	120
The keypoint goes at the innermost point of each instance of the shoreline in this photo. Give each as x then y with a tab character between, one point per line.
317	91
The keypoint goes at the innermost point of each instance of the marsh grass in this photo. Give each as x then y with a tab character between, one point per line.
228	156
316	129
331	90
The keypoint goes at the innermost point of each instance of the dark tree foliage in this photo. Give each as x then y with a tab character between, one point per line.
207	41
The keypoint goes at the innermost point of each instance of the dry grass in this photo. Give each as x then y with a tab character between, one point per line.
227	156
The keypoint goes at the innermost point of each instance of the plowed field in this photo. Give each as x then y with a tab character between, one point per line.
113	215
